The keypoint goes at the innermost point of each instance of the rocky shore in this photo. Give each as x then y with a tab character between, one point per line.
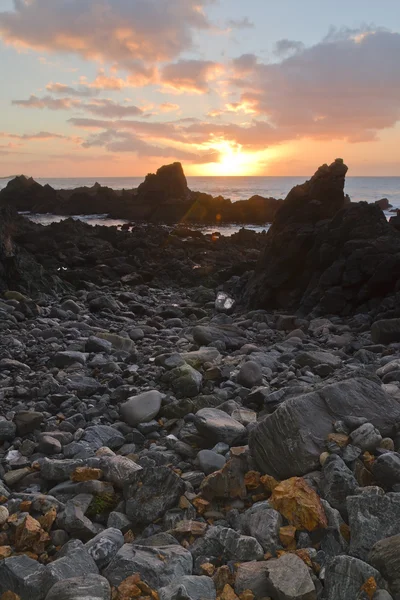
164	197
190	417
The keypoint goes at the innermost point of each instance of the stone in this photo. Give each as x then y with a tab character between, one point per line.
217	426
49	445
345	575
210	461
71	305
230	335
98	436
225	483
52	469
373	516
386	469
252	576
86	474
299	504
95	345
74	521
117	520
27	421
227	544
7	430
385	557
190	587
313	359
29	535
88	587
307	420
386	331
72	561
336	483
142	408
23	576
366	437
4	514
184	380
250	374
155	491
104	546
119	470
289	579
123	344
158	566
263	523
65	359
197	358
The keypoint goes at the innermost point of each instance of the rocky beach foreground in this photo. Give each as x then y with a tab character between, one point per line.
190	417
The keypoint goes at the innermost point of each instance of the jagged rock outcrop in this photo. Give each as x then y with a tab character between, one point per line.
325	255
163	197
19	270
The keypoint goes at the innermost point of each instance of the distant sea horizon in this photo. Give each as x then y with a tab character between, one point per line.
236	188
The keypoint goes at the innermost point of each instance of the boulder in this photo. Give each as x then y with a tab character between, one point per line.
263	523
142	408
217	426
158	566
88	587
385	556
386	331
289	442
189	587
373	516
227	544
345	575
290	579
23	576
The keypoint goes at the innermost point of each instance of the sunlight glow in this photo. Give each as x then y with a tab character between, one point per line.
234	161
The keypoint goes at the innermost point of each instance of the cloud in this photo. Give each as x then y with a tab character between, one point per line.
166	107
109	109
66	90
130	33
244	23
47	102
191	76
285	47
345	87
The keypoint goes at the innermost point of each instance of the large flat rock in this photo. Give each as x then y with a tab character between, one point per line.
290	441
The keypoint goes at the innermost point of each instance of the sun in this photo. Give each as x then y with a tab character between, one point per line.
232	160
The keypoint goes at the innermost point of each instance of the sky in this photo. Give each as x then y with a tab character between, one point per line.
227	87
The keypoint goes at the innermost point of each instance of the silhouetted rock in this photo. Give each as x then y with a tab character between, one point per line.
325	254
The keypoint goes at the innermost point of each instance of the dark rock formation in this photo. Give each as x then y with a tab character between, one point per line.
163	197
324	254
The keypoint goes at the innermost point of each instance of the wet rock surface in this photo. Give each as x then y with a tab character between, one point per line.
154	442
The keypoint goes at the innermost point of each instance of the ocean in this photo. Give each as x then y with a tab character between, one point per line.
368	189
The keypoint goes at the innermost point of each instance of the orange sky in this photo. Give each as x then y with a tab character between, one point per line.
226	92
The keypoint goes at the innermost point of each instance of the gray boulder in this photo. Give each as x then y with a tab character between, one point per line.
250	374
23	576
184	380
104	546
142	408
7	430
156	490
88	587
386	331
158	566
373	516
73	560
385	556
346	575
290	579
217	426
227	544
230	335
98	436
289	442
68	358
366	437
386	469
119	470
262	522
189	587
336	483
210	461
252	576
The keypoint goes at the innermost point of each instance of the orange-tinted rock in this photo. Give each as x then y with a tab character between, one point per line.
246	595
226	483
269	483
200	505
252	480
299	504
223	576
370	587
86	474
47	520
340	439
5	552
25	506
29	535
10	596
287	535
228	593
208	569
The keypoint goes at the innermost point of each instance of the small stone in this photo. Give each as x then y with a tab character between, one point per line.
49	445
28	421
210	461
4	514
86	474
218	426
366	437
250	374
